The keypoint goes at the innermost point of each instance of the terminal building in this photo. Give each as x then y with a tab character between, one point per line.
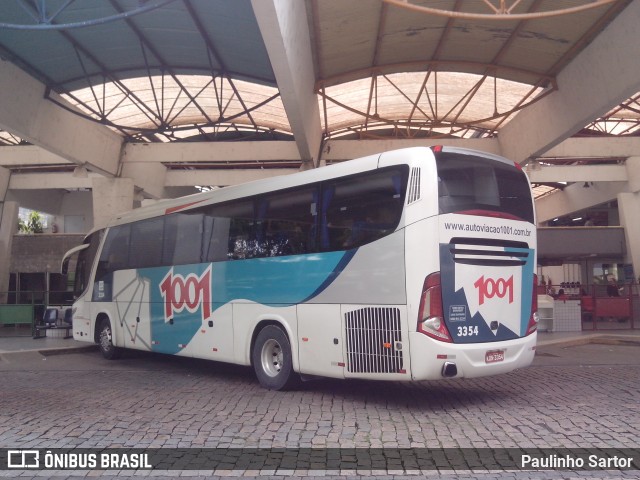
106	106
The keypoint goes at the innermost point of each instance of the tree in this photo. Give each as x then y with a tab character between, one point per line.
32	225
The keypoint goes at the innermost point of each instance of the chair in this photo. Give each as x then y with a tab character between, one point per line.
587	308
50	318
68	316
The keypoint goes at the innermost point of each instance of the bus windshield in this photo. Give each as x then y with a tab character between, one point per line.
85	263
468	183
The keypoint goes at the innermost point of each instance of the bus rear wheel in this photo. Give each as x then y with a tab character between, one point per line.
105	341
272	361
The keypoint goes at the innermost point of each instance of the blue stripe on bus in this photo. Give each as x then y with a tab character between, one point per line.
275	281
526	288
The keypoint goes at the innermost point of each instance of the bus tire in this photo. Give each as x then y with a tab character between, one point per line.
105	341
272	360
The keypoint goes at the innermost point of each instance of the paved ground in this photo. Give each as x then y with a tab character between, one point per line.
580	396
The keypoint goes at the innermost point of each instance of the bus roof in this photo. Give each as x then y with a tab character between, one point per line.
256	187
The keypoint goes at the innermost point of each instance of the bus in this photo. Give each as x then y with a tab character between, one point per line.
414	264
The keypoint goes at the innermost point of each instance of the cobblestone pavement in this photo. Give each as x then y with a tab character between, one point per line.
582	396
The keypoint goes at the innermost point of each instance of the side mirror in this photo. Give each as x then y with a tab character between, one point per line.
64	268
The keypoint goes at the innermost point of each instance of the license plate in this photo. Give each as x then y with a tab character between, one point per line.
494	356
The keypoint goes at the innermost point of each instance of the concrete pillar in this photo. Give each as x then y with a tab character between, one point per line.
110	197
285	32
8	227
150	177
629	206
633	173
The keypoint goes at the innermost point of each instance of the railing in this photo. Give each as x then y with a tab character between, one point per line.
603	307
28	308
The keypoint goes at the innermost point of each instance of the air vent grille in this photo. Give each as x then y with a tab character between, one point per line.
374	340
489	252
414	186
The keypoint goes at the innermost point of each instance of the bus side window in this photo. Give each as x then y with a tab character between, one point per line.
145	248
236	218
362	208
183	234
286	222
216	238
115	253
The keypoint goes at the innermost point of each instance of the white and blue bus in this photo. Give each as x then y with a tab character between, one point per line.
413	264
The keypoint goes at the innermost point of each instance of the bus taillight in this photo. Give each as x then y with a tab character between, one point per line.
533	319
430	315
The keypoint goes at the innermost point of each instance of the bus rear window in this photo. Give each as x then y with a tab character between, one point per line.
468	183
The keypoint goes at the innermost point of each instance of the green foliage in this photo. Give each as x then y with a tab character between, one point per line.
32	225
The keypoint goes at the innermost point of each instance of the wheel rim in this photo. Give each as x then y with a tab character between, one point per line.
105	339
271	357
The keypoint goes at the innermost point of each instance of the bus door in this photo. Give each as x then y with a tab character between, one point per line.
132	305
86	253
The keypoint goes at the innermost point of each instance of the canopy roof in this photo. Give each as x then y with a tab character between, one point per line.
172	70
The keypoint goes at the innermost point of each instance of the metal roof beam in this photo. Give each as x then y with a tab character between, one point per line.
285	30
602	76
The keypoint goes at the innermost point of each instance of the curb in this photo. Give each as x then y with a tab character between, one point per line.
596	338
65	350
47	352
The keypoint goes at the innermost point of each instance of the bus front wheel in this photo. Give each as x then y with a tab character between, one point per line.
105	341
272	361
